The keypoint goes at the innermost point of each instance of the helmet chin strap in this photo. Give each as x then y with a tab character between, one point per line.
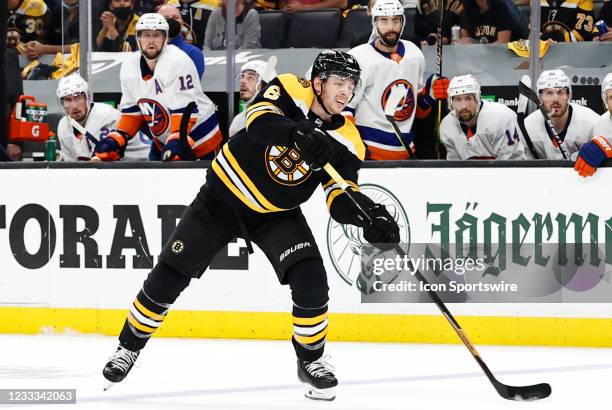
320	100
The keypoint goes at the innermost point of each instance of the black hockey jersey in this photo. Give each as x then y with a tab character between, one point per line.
569	20
262	169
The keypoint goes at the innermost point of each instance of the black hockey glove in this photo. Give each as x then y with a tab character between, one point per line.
315	146
383	231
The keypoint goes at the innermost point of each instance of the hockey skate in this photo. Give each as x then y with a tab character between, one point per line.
318	378
119	365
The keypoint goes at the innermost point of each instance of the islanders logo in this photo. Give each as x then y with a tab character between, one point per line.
285	165
406	106
155	115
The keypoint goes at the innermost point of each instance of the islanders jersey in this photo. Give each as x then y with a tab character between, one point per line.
158	99
260	169
603	126
380	72
578	131
101	119
495	136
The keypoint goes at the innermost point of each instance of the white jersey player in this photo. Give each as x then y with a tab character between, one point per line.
251	82
573	122
98	119
387	62
476	129
157	84
594	153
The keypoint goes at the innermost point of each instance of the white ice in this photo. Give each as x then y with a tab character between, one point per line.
226	375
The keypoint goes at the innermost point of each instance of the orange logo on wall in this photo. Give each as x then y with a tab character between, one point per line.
406	106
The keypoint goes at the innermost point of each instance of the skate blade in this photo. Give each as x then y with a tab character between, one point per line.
313	393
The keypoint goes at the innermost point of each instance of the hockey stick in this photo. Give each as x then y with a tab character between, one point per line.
74	124
270	71
184	131
532	392
395	96
522	113
439	73
533	96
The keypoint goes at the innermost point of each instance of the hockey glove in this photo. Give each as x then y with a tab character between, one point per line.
383	231
436	88
112	147
178	150
315	146
592	155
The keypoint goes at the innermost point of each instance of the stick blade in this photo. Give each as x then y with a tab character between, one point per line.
523	100
523	393
525	90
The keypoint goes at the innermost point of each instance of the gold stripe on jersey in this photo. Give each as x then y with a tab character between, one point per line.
299	90
348	135
232	175
332	190
259	109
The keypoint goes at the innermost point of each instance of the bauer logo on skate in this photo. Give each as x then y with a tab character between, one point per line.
155	115
406	106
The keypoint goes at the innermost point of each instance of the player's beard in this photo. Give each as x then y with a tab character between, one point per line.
151	55
390	39
558	110
466	115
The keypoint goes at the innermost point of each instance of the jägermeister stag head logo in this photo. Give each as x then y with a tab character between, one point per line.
345	243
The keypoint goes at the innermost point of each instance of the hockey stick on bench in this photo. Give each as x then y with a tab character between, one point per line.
396	94
521	112
533	392
533	96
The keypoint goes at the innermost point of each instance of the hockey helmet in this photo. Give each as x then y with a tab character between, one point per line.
606	86
336	63
152	21
463	84
554	79
72	84
387	8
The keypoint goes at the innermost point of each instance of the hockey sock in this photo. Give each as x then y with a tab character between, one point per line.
149	309
308	282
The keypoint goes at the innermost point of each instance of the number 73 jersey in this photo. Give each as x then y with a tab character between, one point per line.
158	99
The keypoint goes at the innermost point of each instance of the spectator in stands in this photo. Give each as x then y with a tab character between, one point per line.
485	21
605	15
573	122
148	6
292	6
175	22
28	18
118	32
195	15
567	21
428	16
57	40
248	30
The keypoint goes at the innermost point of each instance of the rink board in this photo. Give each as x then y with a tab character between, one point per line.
45	287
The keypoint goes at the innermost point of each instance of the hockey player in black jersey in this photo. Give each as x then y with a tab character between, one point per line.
254	190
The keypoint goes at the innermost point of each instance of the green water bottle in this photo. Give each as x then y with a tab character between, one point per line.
51	148
242	105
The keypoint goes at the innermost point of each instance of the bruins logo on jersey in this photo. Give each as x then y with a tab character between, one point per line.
285	166
155	115
405	108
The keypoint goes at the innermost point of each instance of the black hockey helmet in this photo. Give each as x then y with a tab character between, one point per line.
337	63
